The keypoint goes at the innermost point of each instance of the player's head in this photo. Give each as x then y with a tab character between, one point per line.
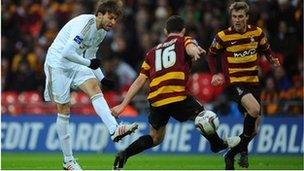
107	13
175	24
239	15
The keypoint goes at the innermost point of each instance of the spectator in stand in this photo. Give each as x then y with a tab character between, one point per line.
126	74
294	97
281	79
288	50
25	78
4	73
34	24
270	97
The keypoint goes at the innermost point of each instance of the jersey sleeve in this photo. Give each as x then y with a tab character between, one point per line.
189	40
263	43
264	46
73	50
215	48
216	45
79	31
90	53
145	67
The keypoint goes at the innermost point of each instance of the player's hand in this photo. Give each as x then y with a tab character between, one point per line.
107	82
197	52
116	111
201	50
95	63
217	79
275	61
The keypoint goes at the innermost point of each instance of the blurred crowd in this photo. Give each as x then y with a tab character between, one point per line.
29	26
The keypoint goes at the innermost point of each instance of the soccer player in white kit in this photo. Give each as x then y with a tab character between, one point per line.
71	63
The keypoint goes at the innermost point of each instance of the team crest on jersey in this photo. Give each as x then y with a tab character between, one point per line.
78	39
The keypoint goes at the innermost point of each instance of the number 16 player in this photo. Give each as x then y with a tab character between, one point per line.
167	68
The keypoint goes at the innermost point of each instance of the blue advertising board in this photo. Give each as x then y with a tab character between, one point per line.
38	133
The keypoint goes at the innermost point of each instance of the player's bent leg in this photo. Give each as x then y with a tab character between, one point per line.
252	107
244	160
92	89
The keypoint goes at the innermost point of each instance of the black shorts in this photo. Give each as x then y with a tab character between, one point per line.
236	92
182	111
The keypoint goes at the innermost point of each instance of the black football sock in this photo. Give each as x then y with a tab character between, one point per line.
249	126
245	140
142	143
248	131
215	141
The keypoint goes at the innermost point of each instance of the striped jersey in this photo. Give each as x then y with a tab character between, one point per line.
240	53
167	67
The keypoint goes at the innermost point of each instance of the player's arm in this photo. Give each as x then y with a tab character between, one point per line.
69	52
264	48
90	53
72	50
193	49
214	50
133	90
135	87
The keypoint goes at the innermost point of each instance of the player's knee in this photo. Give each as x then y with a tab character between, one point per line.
63	108
95	88
255	111
157	139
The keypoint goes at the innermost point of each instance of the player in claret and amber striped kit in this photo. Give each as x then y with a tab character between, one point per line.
240	47
167	67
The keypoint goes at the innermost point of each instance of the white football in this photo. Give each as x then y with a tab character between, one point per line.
207	122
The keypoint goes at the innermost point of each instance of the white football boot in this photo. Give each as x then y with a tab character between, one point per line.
233	141
71	165
123	130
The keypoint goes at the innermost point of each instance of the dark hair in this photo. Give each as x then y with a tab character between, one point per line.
239	6
110	6
175	24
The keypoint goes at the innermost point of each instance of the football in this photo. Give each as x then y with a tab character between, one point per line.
207	122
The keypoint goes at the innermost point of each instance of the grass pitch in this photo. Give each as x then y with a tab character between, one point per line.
94	161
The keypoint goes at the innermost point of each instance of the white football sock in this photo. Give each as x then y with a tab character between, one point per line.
62	127
103	111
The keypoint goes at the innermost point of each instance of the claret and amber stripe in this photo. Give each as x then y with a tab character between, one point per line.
171	75
168	86
167	98
240	53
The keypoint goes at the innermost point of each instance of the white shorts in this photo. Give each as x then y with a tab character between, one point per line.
59	82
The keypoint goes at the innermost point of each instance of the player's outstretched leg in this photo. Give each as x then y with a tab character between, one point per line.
142	143
123	130
71	165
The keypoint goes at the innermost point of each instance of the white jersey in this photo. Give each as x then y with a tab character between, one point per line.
81	33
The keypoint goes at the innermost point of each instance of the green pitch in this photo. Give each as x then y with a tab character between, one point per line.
40	161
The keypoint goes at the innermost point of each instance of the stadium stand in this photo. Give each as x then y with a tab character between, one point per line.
28	28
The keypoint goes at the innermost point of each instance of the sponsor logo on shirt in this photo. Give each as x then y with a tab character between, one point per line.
78	39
